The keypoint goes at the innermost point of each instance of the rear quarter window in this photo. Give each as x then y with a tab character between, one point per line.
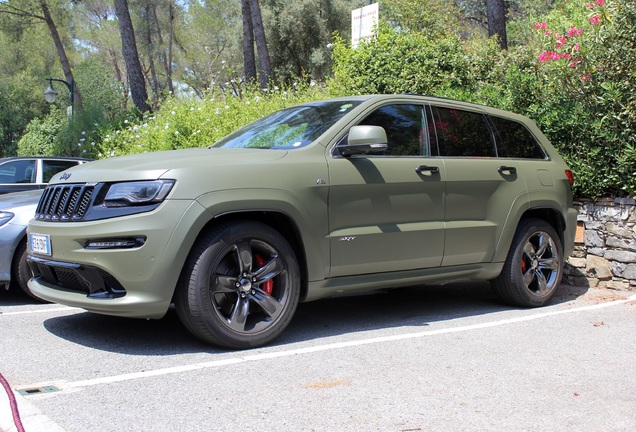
514	140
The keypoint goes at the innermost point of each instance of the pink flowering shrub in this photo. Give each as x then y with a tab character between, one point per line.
587	92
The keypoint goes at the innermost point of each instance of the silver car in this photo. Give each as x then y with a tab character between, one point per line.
32	172
16	209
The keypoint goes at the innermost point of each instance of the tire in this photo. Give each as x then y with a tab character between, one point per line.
20	271
534	266
240	285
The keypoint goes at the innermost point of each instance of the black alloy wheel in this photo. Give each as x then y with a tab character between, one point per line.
240	286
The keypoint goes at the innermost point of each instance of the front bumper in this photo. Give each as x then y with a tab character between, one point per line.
132	282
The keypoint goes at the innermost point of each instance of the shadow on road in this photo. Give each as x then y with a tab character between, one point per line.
415	307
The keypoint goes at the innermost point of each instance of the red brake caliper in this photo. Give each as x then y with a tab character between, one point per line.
268	285
524	266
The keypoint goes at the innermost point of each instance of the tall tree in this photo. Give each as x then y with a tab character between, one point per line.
255	22
212	37
299	33
249	60
497	21
40	11
131	56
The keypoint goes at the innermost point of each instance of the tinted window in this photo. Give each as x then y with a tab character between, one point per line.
403	126
514	140
52	167
462	133
21	171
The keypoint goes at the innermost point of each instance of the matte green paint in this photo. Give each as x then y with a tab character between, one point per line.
364	221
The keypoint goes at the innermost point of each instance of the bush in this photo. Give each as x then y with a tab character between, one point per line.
41	135
589	95
200	122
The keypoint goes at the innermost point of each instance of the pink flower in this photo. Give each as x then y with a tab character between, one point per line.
540	25
574	31
560	41
576	47
595	19
576	62
600	2
545	56
586	77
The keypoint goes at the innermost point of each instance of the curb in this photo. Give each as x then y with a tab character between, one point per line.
32	418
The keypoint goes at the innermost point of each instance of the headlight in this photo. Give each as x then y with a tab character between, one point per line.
137	193
5	217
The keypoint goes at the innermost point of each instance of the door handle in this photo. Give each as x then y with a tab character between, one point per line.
507	170
431	169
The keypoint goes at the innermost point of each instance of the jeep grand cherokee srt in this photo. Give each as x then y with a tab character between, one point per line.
322	198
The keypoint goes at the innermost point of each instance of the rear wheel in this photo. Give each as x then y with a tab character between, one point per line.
534	266
240	285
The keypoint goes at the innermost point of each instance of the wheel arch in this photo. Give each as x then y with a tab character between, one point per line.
551	216
547	213
278	220
15	258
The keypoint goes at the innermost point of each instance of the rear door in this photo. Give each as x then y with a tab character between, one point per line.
481	189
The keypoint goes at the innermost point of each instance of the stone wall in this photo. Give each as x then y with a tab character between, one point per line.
605	249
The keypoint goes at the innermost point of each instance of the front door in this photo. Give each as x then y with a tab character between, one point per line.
386	213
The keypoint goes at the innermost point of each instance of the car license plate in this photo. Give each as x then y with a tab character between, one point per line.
40	244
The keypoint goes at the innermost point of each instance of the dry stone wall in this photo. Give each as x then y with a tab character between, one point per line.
605	249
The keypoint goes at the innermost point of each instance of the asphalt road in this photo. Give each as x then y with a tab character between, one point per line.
434	358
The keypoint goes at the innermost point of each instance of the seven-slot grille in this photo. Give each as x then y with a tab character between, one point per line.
64	203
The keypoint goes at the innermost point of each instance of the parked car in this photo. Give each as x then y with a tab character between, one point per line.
16	210
28	173
314	200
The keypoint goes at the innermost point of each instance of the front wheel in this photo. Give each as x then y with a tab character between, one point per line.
240	285
534	266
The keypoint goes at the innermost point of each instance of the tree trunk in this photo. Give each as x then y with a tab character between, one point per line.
131	56
497	21
249	62
66	67
152	79
265	69
168	61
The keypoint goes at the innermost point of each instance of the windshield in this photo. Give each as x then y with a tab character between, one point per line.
289	128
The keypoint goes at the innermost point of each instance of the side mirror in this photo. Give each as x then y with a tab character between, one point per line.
365	140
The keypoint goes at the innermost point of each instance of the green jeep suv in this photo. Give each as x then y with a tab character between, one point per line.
314	200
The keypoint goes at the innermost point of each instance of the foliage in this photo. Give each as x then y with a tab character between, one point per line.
435	17
412	62
41	135
19	103
101	91
200	122
299	34
588	95
211	34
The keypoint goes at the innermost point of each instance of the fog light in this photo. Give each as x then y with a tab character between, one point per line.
115	243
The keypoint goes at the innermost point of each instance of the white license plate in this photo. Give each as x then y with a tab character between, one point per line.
40	244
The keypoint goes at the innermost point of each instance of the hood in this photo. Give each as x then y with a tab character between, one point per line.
155	165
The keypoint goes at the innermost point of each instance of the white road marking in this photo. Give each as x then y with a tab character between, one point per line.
331	346
61	309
